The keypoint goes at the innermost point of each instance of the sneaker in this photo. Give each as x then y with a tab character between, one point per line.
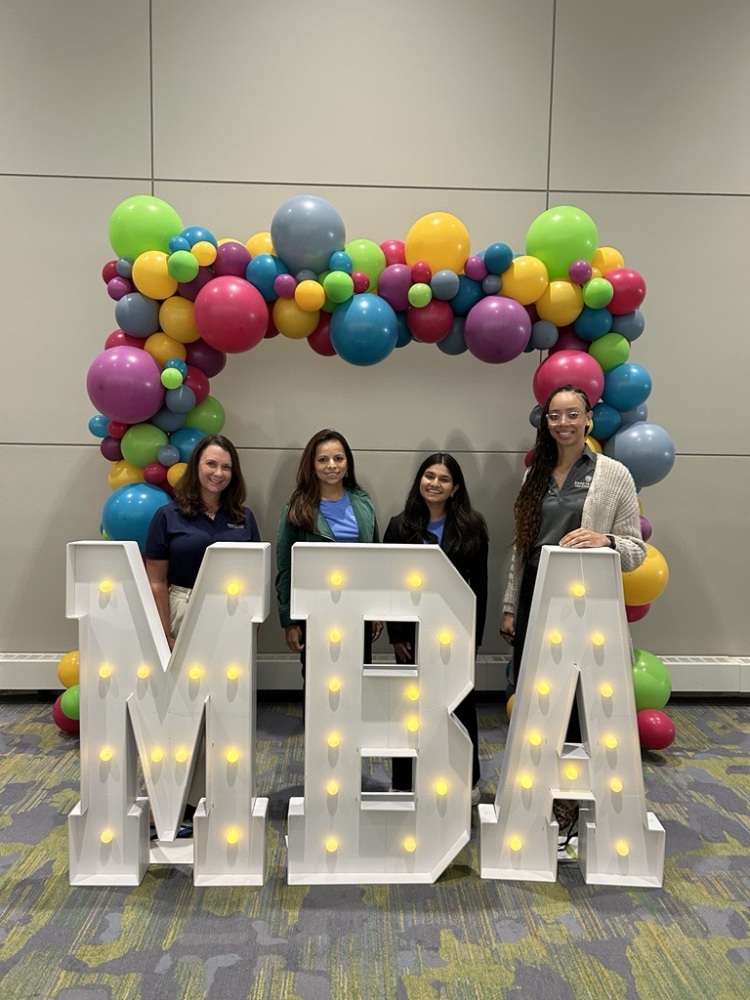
476	795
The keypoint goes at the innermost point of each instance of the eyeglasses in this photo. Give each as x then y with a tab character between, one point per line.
554	417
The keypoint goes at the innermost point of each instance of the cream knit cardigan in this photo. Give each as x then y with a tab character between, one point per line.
611	507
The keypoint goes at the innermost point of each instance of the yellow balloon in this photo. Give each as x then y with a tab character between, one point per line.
260	243
525	280
560	303
310	295
163	348
151	276
123	473
176	318
204	252
594	444
440	240
644	584
509	706
176	472
68	669
292	321
607	259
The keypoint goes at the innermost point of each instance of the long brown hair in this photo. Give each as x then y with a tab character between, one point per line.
528	506
305	500
187	493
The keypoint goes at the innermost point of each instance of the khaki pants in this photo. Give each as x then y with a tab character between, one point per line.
178	602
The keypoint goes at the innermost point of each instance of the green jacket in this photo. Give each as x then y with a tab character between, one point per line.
364	512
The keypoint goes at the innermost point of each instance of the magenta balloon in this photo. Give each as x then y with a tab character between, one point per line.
124	383
497	329
232	258
431	323
394	284
189	289
231	314
655	729
634	612
569	367
208	359
111	449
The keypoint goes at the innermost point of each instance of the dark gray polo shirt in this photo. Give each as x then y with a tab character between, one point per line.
562	509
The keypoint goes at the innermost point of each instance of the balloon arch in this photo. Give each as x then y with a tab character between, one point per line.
185	299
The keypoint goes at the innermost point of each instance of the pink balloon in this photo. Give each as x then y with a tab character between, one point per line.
62	721
231	314
630	290
655	729
361	281
634	612
497	329
320	339
432	323
118	338
569	367
395	251
394	284
476	269
155	473
421	273
124	383
208	359
198	382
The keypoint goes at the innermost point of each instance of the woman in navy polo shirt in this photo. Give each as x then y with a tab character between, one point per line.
208	508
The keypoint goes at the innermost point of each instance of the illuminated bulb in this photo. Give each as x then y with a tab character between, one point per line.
233	588
332	845
105	587
526	781
233	835
622	848
232	755
412	692
233	673
332	787
195	673
334	635
598	639
333	740
543	688
535	738
181	755
410	845
444	638
610	742
157	756
616	785
105	754
336	579
571	772
143	671
415	580
107	836
606	691
555	637
334	685
515	843
441	787
412	724
578	590
105	671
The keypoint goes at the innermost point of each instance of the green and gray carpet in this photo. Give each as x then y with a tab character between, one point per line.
460	939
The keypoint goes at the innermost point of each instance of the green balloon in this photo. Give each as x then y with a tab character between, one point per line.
610	350
182	265
366	257
651	681
560	236
171	378
70	702
338	286
141	443
597	293
208	416
419	295
142	223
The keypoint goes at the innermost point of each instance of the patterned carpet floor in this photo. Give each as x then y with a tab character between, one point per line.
460	939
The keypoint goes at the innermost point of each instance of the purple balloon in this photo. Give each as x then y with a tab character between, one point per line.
208	359
284	285
646	528
394	284
580	272
111	449
476	269
124	383
231	258
497	329
568	340
118	287
189	289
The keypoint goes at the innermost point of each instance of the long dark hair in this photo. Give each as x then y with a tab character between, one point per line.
305	500
528	506
465	525
187	493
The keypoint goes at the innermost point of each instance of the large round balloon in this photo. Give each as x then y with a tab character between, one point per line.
651	681
141	443
124	383
655	729
646	449
142	223
231	314
439	240
626	386
305	231
497	329
128	512
560	303
560	236
644	584
568	368
525	280
364	330
431	323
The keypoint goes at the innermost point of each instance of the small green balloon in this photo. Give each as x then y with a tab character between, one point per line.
597	293
419	295
610	351
651	681
208	416
560	236
70	702
182	265
141	443
142	223
366	257
171	378
338	286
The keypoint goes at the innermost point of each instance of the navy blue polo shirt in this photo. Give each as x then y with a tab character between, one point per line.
182	540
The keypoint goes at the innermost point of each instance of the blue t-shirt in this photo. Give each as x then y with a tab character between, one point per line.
182	540
437	528
341	519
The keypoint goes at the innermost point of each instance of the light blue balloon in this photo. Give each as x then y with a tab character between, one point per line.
626	386
124	267
167	420
185	440
179	364
607	420
364	330
341	261
137	315
128	512
180	400
543	335
492	284
305	231
637	415
98	425
592	324
646	450
168	455
630	326
306	274
445	284
454	344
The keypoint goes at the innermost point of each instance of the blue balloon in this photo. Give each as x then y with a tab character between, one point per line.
405	335
454	344
469	293
98	425
124	267
626	386
197	234
646	449
305	231
630	326
445	284
637	415
341	261
128	512
167	420
364	330
180	400
592	324
607	420
178	243
498	258
137	315
179	364
535	417
168	455
543	335
262	271
184	440
306	274
492	284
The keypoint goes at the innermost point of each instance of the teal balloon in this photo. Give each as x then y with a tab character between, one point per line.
651	681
